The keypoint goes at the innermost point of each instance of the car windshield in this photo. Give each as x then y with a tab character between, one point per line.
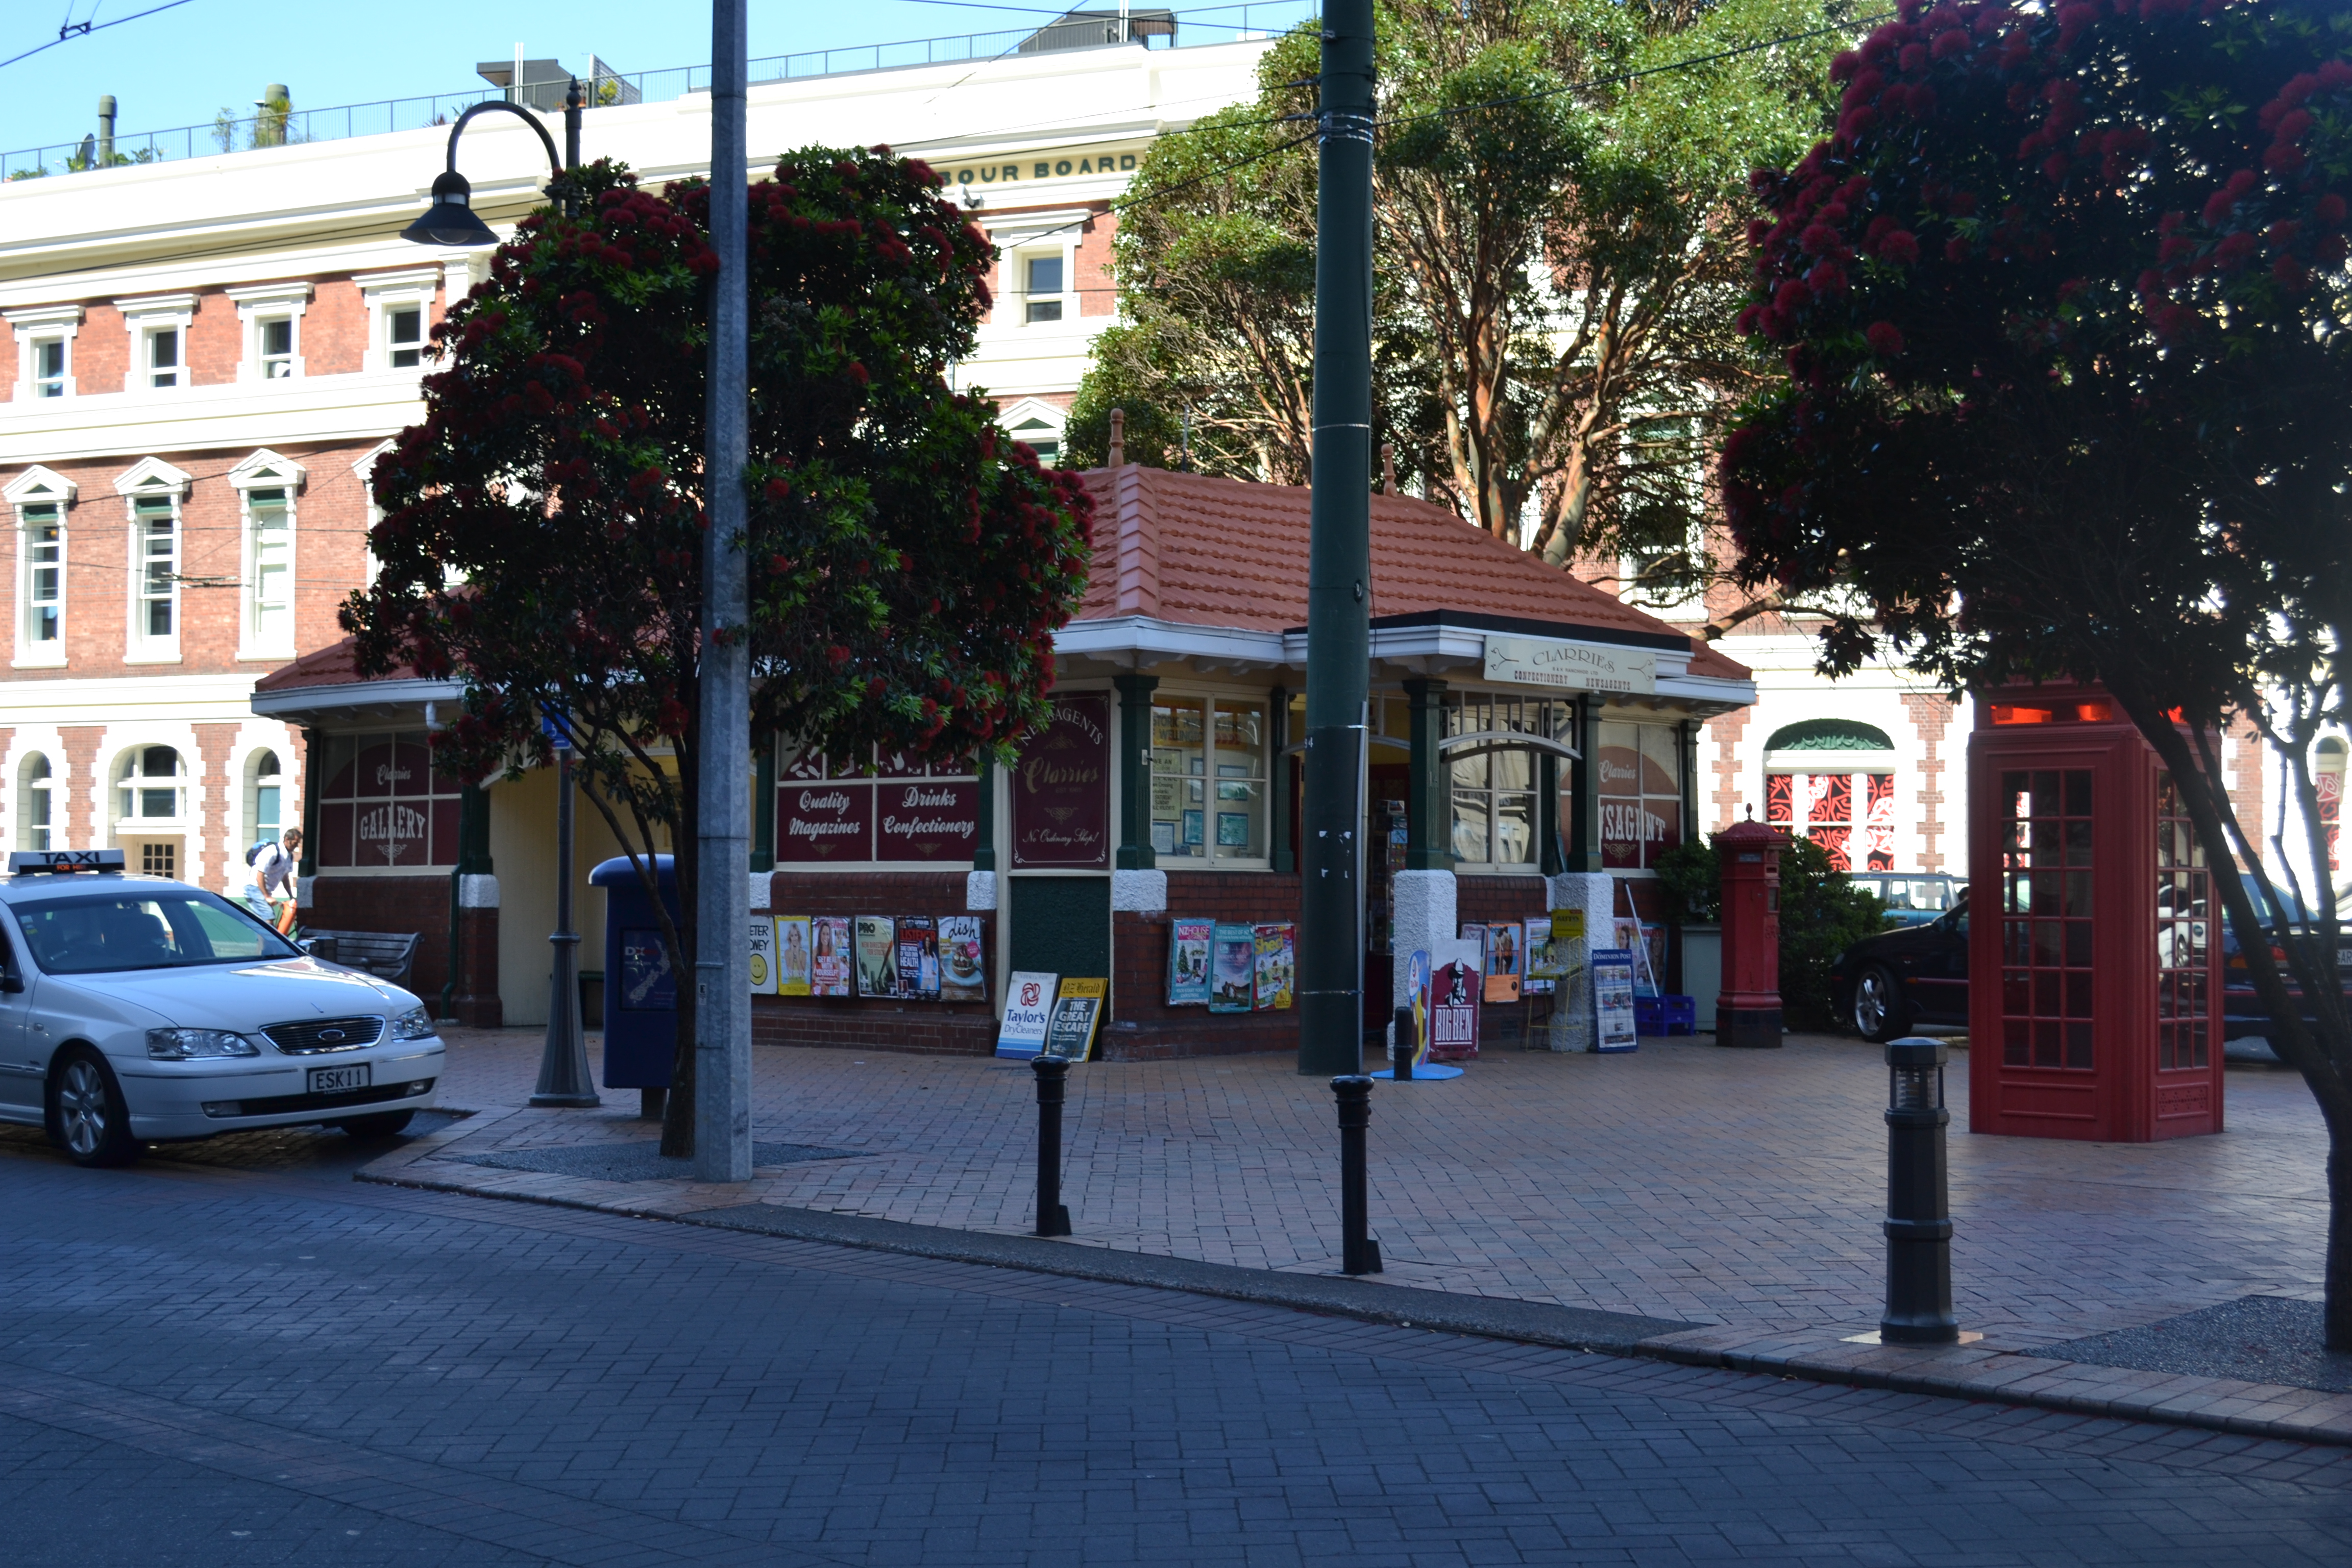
1919	893
143	928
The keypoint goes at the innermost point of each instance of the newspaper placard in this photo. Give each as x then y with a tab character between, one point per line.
1028	1007
1077	1013
1612	1000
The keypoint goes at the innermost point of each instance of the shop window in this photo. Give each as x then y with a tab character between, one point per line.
2045	979
264	795
384	805
34	803
1850	816
2327	782
1640	784
1208	778
152	786
863	804
2183	962
1495	800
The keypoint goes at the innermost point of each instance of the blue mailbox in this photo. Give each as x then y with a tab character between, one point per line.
640	991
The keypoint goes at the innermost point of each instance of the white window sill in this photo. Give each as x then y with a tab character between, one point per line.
40	661
171	657
271	656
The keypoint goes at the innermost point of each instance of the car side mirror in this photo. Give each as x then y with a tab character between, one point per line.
11	980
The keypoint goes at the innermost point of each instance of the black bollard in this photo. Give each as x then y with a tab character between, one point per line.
1918	1200
1052	1079
1359	1253
1407	1039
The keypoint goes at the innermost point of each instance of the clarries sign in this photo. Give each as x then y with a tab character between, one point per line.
1578	666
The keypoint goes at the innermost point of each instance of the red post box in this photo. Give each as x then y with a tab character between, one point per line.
2094	946
1748	1009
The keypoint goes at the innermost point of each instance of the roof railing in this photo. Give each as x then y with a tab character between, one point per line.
288	127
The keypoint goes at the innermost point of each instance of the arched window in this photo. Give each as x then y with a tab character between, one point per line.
154	785
264	797
1832	780
33	803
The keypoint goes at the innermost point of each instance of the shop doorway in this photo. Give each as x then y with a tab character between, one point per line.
1060	925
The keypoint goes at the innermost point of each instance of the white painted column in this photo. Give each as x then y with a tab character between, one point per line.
1592	894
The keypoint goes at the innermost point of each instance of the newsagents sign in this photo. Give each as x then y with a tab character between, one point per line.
1578	666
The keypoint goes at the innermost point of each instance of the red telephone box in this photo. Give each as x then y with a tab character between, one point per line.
2095	981
1747	1010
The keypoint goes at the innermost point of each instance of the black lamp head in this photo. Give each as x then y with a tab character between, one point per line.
450	219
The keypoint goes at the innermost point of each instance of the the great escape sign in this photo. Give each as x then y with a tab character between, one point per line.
1061	788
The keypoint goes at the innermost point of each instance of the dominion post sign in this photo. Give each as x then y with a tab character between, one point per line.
1577	665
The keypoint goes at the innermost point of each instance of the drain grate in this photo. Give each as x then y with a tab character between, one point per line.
642	1162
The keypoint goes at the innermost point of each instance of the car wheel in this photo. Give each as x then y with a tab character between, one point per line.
1880	1012
387	1125
87	1114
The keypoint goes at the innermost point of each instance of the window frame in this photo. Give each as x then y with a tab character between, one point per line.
1452	725
1262	808
258	307
39	489
135	757
152	479
35	328
265	473
146	320
383	293
1064	300
253	782
28	789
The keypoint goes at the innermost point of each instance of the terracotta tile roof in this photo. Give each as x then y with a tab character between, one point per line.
331	666
1217	552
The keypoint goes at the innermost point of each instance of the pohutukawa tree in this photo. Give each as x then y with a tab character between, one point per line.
543	530
2062	312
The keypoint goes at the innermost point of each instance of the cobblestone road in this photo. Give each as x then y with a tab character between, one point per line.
1684	1182
205	1365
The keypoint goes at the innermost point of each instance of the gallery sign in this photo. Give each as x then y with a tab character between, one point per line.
1061	788
1576	666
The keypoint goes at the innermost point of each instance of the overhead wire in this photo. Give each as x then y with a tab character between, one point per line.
71	30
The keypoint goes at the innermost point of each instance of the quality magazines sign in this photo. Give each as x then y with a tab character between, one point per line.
1061	788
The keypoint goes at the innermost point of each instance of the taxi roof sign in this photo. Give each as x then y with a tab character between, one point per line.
22	860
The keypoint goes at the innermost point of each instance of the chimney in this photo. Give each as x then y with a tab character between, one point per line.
105	129
1117	437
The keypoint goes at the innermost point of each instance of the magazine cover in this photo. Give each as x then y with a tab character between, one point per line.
793	976
963	967
1232	969
877	955
918	957
1187	962
830	963
1504	941
1078	1012
1416	982
763	955
1275	952
1539	965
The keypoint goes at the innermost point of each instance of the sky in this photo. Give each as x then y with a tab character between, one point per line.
182	65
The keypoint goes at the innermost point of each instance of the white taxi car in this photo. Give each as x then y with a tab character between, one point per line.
138	1009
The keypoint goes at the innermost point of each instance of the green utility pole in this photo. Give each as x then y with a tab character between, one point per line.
1339	571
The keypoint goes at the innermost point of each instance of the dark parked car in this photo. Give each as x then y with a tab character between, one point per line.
1885	985
1912	898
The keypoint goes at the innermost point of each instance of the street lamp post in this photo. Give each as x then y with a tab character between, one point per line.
722	890
450	219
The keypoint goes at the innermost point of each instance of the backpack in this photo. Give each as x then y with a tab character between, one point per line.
253	855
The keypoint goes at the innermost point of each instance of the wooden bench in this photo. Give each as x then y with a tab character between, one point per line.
387	955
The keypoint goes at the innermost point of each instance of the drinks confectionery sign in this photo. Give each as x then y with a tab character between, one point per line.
1575	665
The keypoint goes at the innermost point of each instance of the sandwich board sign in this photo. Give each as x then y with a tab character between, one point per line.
1028	1007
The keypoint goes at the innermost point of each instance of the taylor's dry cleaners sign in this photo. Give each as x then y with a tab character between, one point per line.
1576	666
1029	168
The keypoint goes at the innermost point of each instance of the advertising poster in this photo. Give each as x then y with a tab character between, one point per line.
1541	968
963	967
1505	941
793	973
1232	969
1454	992
1416	980
919	958
1612	1000
1474	930
1061	787
1276	948
1187	962
831	963
1028	1007
877	955
1077	1013
763	955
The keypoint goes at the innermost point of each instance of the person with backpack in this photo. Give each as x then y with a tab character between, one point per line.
274	876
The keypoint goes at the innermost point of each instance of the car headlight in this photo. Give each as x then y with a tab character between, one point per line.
187	1045
416	1023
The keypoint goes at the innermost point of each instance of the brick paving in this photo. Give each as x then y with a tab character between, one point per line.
456	1380
1684	1182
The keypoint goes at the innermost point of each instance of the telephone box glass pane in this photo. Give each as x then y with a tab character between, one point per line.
2046	992
2182	938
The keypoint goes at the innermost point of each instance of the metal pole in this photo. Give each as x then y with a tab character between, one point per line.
1407	1042
722	1004
1339	614
1918	1200
1053	1083
564	1078
1359	1253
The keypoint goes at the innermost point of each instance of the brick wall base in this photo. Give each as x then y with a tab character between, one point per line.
419	904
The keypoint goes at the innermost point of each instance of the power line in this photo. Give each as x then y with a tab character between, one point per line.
66	30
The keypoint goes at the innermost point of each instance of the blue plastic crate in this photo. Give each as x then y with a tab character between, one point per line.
1666	1016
